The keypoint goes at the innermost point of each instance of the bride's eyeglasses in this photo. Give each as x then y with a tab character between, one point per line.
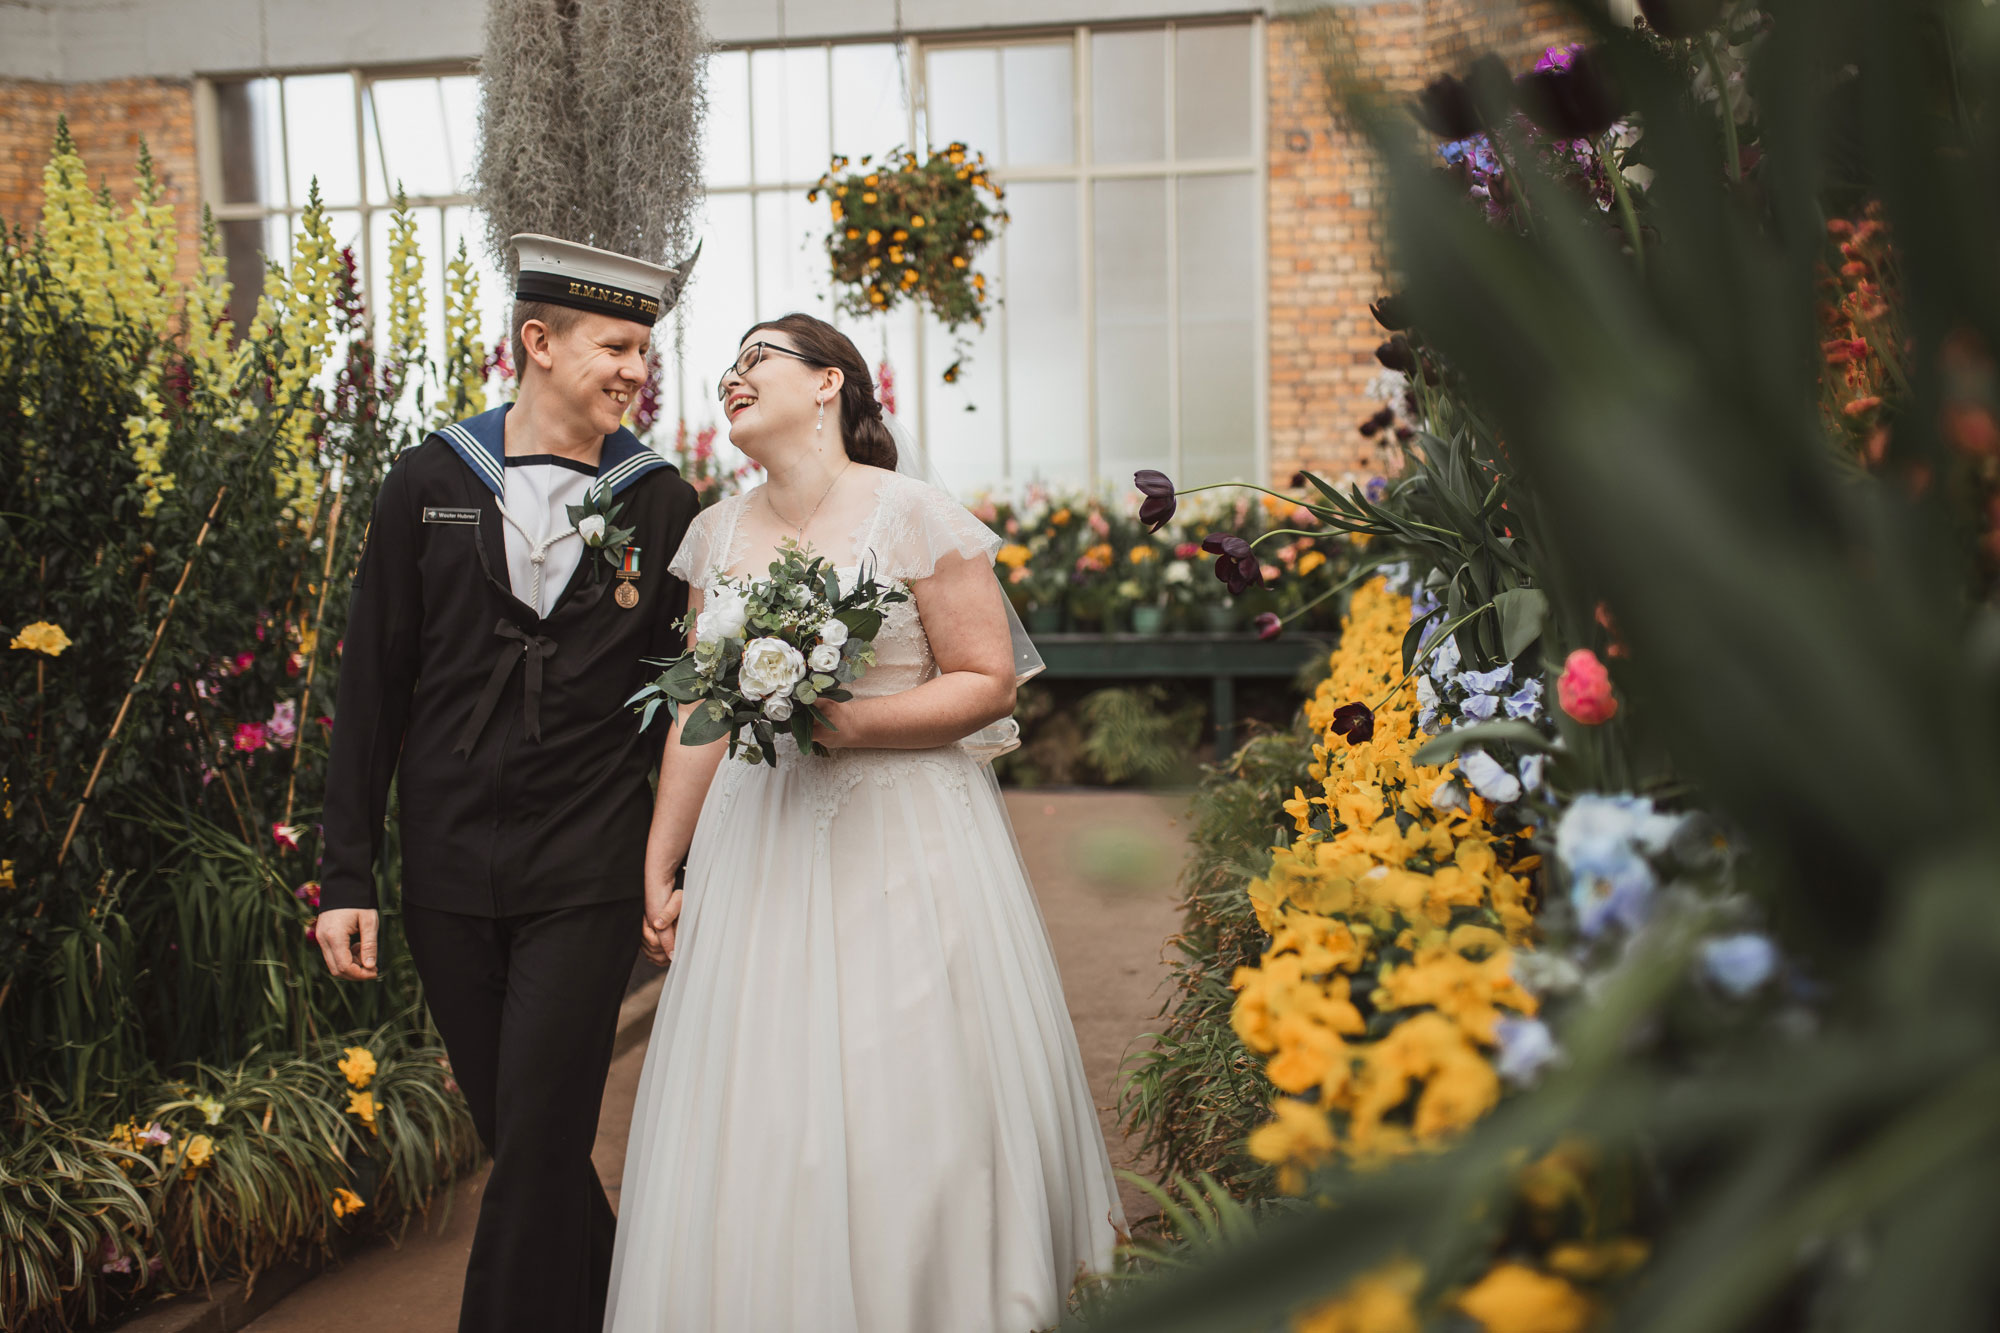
747	361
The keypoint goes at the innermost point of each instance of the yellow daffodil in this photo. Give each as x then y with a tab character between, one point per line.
1513	1298
361	1105
42	637
357	1065
346	1201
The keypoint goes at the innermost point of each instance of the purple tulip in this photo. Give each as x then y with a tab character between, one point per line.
1354	721
1267	625
1677	19
1398	355
1447	108
1576	102
1391	313
1235	563
1159	506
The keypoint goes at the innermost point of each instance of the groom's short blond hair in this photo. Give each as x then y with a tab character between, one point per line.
557	319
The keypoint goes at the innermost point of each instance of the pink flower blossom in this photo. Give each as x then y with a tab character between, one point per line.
244	661
286	836
1099	524
885	388
284	723
154	1136
308	893
1584	689
252	736
1187	550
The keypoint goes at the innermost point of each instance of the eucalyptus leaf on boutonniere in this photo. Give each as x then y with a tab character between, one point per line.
595	520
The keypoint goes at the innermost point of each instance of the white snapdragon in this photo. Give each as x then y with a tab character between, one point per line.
770	667
723	616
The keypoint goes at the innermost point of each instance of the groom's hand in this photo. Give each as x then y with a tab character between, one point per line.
657	929
336	930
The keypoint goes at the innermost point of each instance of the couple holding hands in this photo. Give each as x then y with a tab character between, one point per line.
863	1110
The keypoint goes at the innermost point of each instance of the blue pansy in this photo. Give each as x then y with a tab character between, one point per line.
1739	963
1449	796
1444	662
1526	702
1481	706
1487	682
1527	1047
1603	842
1531	767
1487	776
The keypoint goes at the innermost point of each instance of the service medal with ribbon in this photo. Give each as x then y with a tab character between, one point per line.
627	593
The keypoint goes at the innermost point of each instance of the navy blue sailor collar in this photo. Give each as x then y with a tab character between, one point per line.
481	442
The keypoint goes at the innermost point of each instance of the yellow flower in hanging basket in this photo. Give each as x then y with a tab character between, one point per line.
958	261
346	1201
361	1105
852	233
874	236
868	197
42	637
916	219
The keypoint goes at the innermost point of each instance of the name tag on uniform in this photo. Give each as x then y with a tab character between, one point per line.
435	514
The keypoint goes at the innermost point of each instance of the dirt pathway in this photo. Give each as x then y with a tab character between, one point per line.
1103	864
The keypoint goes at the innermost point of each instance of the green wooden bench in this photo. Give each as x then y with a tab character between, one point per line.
1222	658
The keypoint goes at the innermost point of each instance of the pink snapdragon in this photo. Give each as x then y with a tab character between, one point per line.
284	723
286	836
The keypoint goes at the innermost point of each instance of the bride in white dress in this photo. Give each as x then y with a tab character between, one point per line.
863	1110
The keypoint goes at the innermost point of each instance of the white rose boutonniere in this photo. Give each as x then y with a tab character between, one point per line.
596	521
770	666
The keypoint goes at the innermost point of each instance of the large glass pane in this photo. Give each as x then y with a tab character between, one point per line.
892	340
869	114
1218	305
717	300
1047	426
1128	96
788	90
247	126
1212	82
791	254
1133	395
1038	92
243	250
320	138
460	95
963	428
962	98
725	147
414	151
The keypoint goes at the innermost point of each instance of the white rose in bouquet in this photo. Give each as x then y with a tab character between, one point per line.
825	658
833	632
591	529
723	616
770	666
778	708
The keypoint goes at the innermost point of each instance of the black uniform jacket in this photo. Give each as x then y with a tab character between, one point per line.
521	774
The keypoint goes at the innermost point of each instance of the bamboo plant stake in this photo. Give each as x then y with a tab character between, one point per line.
125	707
312	658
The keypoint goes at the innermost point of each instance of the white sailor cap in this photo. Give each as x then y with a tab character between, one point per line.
585	278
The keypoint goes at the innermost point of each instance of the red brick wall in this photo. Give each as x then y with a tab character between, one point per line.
107	120
1326	229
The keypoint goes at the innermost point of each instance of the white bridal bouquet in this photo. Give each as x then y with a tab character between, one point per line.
767	650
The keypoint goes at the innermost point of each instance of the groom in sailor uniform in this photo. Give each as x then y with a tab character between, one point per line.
512	586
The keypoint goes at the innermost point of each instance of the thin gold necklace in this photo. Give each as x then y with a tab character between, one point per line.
800	528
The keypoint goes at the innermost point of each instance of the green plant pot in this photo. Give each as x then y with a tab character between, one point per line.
1218	617
1148	619
1044	619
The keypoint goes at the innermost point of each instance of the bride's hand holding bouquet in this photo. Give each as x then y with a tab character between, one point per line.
772	654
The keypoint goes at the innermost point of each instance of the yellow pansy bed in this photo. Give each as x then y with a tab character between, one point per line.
1394	927
1383	903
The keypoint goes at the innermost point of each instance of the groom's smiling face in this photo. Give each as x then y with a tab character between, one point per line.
596	366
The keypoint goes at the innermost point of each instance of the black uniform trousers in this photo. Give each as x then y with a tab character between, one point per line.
528	1007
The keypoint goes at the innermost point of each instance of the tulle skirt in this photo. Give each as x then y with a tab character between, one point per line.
863	1109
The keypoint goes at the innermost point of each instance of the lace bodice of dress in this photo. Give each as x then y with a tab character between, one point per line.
902	533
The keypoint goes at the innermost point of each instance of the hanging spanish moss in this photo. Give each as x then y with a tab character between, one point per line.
590	124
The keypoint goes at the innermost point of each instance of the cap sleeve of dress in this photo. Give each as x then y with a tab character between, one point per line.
922	526
694	562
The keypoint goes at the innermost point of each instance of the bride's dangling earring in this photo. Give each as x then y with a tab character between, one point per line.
821	423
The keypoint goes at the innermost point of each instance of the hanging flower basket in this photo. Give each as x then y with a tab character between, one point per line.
905	229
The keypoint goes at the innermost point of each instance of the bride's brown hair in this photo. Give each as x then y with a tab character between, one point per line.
864	434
